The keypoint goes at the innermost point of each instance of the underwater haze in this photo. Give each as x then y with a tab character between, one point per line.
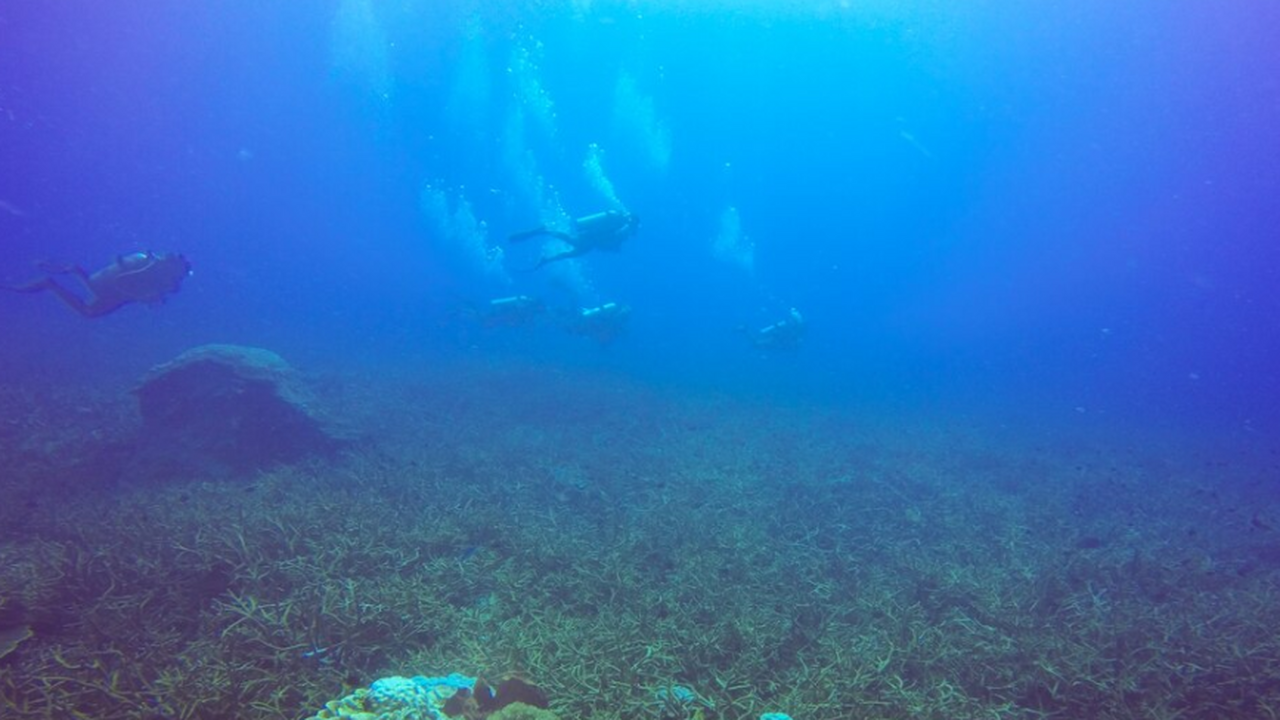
693	359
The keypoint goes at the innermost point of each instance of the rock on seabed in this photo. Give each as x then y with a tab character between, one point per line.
230	408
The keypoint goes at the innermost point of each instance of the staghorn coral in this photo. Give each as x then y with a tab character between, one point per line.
520	711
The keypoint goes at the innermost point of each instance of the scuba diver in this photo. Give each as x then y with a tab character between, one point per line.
141	277
514	311
601	231
784	334
603	323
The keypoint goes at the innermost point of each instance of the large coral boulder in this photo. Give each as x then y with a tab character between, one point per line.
228	409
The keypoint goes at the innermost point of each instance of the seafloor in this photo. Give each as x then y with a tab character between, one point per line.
611	540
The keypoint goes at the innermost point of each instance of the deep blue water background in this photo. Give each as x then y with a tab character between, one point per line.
1054	212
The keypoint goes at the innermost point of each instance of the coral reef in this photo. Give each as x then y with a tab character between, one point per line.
398	698
229	409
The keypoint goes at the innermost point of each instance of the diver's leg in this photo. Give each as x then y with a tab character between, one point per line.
94	306
545	259
567	254
538	232
81	274
38	285
73	301
69	269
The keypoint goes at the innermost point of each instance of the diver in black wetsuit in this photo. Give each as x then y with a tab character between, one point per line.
601	231
142	277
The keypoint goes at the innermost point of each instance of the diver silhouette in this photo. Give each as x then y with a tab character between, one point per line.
601	231
603	323
142	277
783	334
513	311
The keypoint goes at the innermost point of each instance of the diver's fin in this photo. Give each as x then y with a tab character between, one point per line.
34	286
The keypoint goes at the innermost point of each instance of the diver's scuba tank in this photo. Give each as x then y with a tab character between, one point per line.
602	223
603	311
508	302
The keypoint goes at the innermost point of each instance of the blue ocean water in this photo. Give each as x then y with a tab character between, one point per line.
1042	209
1052	221
1065	207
